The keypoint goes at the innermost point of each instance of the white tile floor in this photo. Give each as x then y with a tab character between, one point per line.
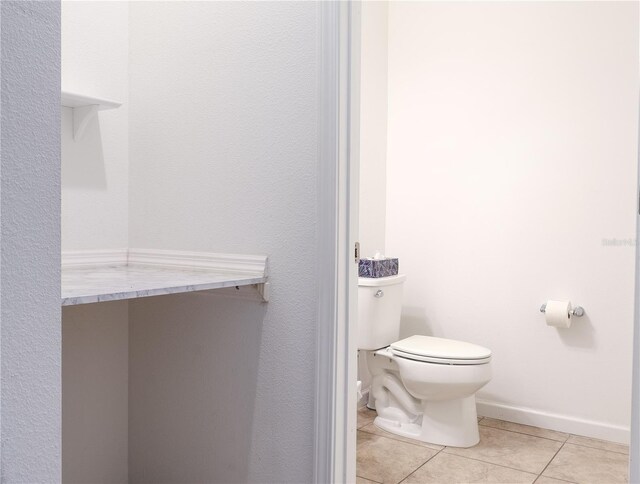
507	453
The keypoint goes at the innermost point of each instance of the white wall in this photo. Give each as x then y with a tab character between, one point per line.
95	360
373	126
95	206
29	241
95	169
223	107
512	155
373	139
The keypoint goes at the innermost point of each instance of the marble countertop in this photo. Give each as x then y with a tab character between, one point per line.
112	283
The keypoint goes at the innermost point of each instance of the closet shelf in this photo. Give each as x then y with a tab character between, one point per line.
102	276
85	108
75	100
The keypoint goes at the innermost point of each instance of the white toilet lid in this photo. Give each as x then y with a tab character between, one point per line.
440	350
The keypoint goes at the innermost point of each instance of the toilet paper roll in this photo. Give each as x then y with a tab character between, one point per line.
557	313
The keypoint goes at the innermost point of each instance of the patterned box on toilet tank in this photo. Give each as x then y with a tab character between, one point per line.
378	267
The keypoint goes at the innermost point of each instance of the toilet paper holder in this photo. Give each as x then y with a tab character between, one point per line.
577	311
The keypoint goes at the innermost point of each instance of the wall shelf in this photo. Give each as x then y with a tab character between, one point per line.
98	276
85	108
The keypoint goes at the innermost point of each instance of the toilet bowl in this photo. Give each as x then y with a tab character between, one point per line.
429	395
422	387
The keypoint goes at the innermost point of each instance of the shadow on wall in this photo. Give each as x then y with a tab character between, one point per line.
193	371
414	321
95	375
82	160
581	334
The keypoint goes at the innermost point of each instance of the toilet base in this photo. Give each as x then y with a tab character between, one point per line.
452	423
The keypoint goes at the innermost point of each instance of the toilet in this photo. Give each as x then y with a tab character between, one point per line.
422	387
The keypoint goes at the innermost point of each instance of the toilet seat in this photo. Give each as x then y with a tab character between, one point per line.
440	350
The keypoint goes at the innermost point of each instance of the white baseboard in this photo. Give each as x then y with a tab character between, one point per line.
79	259
237	263
553	421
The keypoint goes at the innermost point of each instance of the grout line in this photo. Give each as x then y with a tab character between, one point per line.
554	478
444	449
487	462
465	457
597	448
421	465
550	461
362	477
530	435
395	437
365	424
566	439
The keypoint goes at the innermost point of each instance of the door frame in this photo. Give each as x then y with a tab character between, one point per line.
634	449
338	41
338	173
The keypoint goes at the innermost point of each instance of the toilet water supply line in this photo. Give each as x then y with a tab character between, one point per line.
395	388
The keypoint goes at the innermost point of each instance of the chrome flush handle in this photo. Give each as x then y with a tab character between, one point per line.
379	293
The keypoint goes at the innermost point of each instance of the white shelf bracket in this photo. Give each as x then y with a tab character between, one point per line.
82	115
264	291
85	108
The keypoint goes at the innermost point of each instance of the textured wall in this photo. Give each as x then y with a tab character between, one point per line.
223	107
512	155
30	241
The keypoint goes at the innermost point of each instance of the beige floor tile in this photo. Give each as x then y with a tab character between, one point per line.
524	429
387	460
599	444
365	416
523	452
372	429
362	480
452	469
549	480
588	465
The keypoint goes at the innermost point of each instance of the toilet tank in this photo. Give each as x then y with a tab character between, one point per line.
379	307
